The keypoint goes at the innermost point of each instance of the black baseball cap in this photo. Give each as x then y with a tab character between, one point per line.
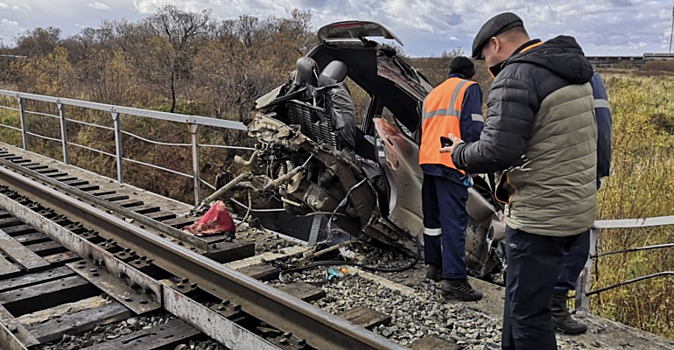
493	27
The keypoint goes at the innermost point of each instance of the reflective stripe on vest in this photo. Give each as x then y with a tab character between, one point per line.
600	103
442	116
477	118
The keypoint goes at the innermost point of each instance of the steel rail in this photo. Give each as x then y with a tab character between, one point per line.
319	328
128	285
142	219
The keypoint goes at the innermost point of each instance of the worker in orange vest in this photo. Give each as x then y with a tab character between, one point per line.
455	106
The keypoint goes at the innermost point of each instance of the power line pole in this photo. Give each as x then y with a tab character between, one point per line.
672	33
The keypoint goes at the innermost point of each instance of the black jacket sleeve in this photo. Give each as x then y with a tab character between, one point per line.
602	113
511	108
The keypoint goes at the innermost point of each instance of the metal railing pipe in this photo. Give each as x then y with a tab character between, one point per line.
22	117
64	132
118	146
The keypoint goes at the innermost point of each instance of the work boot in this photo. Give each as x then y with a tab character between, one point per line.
460	290
434	273
562	318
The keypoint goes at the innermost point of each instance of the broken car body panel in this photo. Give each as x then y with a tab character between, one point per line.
379	195
399	156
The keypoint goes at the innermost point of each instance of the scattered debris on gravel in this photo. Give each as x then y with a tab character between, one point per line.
101	334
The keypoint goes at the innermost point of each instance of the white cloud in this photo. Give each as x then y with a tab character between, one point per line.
8	30
427	26
21	7
100	6
150	6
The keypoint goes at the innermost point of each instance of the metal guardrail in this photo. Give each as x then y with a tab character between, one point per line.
193	122
583	288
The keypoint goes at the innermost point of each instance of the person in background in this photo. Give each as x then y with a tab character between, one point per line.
454	106
576	256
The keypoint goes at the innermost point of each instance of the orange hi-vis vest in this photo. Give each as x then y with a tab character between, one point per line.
442	115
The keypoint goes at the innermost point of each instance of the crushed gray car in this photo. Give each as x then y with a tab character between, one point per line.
364	178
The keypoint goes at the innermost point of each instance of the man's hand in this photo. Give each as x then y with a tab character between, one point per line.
455	141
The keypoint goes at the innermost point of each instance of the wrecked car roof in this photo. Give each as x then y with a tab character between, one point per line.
355	30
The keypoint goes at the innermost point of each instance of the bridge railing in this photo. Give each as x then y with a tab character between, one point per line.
192	122
584	282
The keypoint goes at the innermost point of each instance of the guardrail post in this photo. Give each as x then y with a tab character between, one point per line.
64	132
584	281
118	145
195	161
22	117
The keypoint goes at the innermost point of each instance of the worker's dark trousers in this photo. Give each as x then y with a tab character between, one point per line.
575	258
534	264
445	221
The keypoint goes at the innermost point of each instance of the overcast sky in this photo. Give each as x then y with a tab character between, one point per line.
426	27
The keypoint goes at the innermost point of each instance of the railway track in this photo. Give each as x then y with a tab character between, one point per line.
86	263
66	243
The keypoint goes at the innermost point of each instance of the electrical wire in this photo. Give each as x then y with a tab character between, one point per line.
341	204
250	204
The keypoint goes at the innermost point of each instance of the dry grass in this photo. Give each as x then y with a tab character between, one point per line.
641	185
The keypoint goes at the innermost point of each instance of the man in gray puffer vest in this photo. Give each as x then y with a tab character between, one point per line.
541	131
